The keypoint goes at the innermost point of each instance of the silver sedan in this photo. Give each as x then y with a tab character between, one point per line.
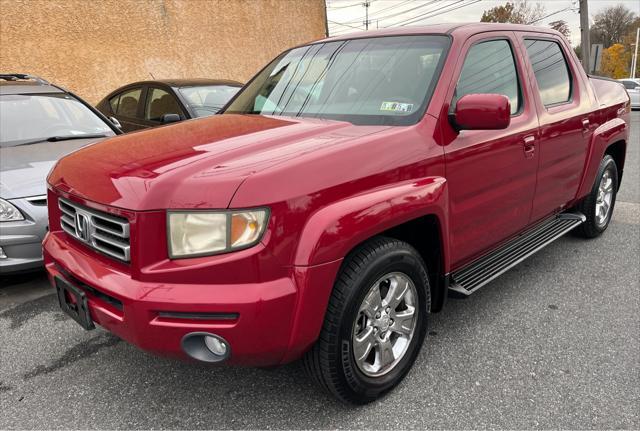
633	89
39	123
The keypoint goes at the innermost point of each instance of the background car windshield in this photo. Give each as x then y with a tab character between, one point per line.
384	80
29	117
208	100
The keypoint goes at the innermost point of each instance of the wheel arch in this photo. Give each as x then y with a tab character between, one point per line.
618	150
609	138
336	230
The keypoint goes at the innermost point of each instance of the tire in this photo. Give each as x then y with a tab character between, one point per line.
385	265
591	206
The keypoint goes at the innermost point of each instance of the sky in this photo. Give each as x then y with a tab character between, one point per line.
350	13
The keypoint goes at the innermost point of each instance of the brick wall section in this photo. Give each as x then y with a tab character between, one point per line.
93	47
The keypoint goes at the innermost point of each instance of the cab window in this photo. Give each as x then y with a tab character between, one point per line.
490	68
551	71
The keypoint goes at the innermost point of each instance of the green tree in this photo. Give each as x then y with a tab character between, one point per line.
516	12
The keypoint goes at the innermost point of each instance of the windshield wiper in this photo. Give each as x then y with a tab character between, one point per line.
63	138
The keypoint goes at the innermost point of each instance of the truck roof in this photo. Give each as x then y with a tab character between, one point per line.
456	29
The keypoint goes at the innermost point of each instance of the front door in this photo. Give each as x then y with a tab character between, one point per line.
491	174
160	102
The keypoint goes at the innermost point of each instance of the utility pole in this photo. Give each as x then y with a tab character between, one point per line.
366	13
584	34
634	63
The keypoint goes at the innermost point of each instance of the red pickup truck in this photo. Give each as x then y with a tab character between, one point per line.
345	190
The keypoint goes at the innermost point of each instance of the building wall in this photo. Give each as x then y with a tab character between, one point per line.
94	46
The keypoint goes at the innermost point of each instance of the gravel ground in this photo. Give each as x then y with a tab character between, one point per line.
554	343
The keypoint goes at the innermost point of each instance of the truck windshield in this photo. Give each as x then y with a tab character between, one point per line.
382	80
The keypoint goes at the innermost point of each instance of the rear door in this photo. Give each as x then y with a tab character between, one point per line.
566	124
126	107
491	174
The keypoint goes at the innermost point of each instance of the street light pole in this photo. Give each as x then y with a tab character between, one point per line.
634	63
584	34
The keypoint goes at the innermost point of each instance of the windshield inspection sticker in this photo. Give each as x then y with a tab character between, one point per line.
396	107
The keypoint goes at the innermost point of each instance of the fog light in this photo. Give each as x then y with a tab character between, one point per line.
216	346
2	255
206	347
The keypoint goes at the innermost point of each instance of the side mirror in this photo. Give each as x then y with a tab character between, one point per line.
169	118
115	122
481	112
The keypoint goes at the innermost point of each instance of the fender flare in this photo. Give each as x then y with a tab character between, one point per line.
333	231
606	134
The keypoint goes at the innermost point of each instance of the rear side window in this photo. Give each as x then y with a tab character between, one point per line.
630	85
126	104
490	68
551	71
159	103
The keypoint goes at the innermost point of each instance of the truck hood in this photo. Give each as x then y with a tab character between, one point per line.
24	169
193	164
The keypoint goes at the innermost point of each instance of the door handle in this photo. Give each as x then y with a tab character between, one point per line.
529	144
585	126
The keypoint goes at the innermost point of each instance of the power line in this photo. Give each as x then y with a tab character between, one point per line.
394	14
345	25
371	15
435	12
413	9
551	14
346	6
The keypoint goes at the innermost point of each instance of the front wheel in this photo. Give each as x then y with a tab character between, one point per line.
598	205
375	322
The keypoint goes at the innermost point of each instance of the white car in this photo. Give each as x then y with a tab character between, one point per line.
633	88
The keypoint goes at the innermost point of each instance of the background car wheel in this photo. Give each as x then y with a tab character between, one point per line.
375	322
598	205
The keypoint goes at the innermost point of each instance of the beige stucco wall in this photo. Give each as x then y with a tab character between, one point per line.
95	46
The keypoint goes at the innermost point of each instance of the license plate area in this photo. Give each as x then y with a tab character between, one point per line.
73	301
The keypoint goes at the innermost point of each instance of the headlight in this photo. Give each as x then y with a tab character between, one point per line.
8	212
200	233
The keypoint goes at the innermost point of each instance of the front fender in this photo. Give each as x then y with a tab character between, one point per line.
333	231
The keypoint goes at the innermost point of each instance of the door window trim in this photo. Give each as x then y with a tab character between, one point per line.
566	62
521	98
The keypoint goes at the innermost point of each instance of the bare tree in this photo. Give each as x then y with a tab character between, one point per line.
611	25
561	26
516	12
529	13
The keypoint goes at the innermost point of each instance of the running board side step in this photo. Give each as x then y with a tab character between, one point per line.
485	269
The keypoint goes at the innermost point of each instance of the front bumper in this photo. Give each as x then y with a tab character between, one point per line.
155	316
21	241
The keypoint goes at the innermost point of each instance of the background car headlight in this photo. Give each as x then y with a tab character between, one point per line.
203	232
8	212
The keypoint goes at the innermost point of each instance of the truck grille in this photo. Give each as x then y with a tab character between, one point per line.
106	233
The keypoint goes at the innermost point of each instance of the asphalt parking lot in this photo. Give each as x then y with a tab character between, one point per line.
554	343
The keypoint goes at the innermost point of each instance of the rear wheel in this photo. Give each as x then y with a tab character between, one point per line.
375	322
598	205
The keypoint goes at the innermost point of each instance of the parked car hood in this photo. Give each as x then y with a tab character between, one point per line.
193	164
24	169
